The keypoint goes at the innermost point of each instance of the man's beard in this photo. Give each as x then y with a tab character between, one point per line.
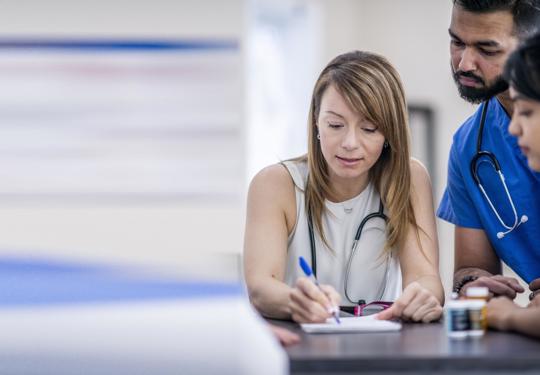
480	94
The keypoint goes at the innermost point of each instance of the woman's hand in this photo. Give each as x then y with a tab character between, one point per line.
416	304
499	311
309	304
285	337
535	303
534	286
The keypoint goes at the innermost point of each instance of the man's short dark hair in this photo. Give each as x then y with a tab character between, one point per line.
525	13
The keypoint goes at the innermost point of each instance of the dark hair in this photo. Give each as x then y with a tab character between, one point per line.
525	13
522	69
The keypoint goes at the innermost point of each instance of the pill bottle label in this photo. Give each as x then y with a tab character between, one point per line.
477	318
459	321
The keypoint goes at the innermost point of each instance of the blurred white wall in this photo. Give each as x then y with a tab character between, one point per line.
169	232
122	18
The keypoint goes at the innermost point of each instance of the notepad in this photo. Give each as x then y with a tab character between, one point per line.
353	324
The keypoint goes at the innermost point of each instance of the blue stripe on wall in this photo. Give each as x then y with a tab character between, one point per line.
117	44
34	282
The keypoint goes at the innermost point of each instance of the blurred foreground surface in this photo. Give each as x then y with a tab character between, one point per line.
60	317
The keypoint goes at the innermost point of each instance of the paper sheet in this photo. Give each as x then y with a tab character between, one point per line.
353	324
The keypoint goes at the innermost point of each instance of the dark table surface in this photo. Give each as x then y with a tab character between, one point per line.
417	348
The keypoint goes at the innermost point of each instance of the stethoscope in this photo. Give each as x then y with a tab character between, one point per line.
374	215
475	162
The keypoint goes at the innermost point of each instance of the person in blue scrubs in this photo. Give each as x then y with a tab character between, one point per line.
523	73
496	219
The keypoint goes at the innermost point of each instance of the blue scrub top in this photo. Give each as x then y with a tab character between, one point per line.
464	205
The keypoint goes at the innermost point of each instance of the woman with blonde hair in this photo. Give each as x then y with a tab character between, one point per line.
356	207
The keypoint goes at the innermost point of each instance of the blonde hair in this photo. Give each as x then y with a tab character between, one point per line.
372	87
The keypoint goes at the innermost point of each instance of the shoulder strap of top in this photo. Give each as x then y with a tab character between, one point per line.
298	171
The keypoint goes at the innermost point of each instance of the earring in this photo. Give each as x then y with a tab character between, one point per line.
319	137
385	145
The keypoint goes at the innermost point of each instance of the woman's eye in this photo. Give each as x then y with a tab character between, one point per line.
335	125
369	130
525	113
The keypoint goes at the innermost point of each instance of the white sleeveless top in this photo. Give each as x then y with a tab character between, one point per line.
374	275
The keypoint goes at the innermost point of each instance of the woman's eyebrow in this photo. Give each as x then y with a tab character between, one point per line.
335	114
517	97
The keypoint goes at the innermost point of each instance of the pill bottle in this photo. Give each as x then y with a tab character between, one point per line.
456	317
477	317
477	292
476	298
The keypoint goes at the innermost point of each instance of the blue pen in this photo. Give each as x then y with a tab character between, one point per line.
309	273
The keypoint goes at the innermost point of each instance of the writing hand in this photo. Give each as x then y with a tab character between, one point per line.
310	304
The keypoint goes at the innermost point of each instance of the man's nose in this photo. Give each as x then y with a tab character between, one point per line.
467	60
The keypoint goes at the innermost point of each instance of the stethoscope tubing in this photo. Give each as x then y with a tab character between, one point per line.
478	158
374	215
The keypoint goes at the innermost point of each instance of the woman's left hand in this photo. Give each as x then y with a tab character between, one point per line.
416	304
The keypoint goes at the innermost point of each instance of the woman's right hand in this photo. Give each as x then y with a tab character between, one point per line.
311	304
